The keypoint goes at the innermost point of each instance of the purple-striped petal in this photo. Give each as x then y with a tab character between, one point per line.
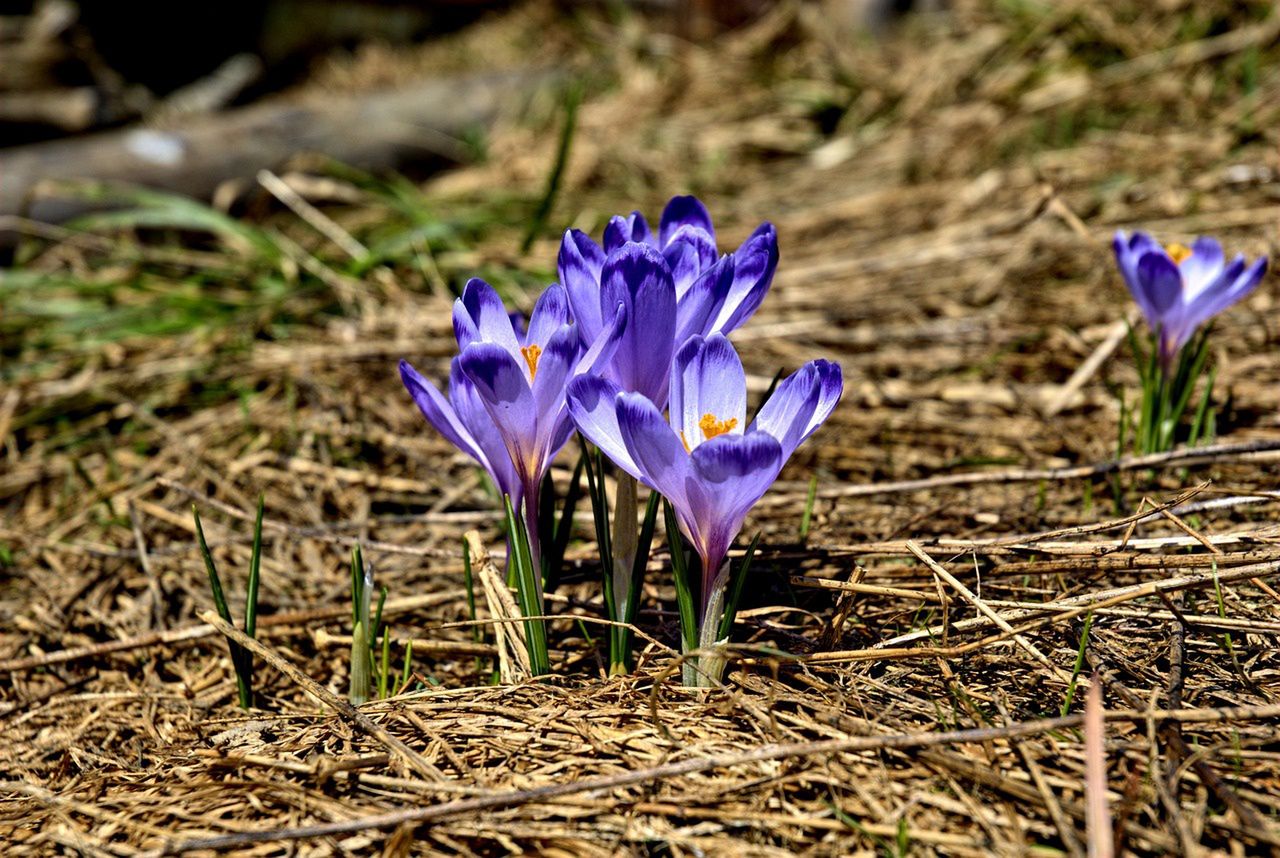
550	314
1201	269
800	404
596	358
637	277
732	473
594	409
439	412
754	265
579	266
708	391
660	459
690	252
620	230
554	366
503	387
1233	285
474	416
684	211
701	303
1161	283
488	318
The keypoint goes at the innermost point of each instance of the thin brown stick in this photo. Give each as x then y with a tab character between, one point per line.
1182	457
969	596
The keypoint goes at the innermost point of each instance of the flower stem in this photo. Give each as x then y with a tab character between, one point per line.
624	546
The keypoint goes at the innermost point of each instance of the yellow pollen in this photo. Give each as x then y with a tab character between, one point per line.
1177	252
711	427
531	355
685	441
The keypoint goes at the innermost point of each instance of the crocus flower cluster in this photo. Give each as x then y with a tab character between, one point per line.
1178	289
636	327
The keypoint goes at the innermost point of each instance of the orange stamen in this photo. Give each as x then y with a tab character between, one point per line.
711	427
685	441
531	355
1177	252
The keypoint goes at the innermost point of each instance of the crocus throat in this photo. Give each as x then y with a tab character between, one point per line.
531	355
1177	252
711	427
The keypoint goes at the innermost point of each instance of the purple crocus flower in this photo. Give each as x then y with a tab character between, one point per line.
1179	288
676	281
506	405
701	459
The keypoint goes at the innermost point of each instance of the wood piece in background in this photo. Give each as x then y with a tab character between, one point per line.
372	131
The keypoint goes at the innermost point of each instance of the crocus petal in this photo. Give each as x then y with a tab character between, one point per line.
474	416
637	277
558	358
690	251
1202	267
1161	283
489	320
661	462
1233	285
601	352
594	409
504	389
684	211
579	265
707	379
800	404
620	230
550	314
754	265
556	365
732	473
697	309
439	412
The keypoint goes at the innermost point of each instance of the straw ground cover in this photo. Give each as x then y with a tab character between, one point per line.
913	665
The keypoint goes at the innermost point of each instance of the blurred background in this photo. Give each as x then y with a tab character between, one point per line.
68	70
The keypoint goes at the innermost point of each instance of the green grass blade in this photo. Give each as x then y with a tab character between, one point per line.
255	571
806	518
244	681
526	578
1079	665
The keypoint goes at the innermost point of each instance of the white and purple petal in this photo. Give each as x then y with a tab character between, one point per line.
754	265
503	386
707	380
489	319
550	314
800	404
1202	267
594	408
691	251
660	459
733	472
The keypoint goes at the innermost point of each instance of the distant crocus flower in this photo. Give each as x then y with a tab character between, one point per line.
506	406
1179	288
705	460
676	278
